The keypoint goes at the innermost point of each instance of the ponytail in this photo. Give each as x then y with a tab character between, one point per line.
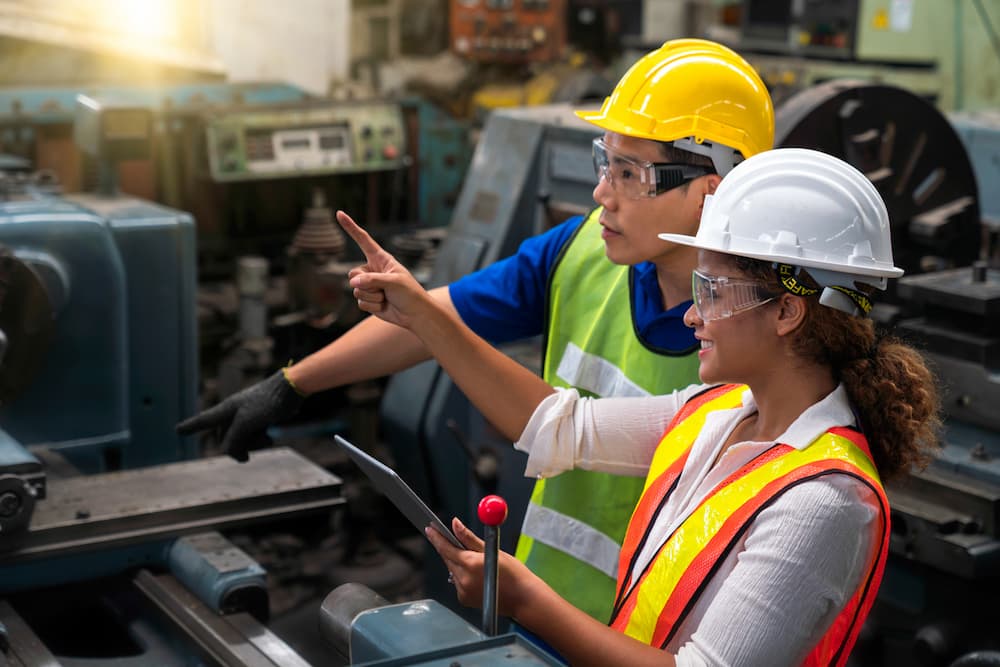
887	381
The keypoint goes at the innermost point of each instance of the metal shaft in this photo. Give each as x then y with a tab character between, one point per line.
491	580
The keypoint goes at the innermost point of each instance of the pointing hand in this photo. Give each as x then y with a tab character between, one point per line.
382	285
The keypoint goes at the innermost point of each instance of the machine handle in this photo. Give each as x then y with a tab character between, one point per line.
492	512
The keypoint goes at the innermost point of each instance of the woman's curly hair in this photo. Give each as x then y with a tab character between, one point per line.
888	382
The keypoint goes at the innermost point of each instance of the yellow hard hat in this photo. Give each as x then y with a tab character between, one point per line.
698	94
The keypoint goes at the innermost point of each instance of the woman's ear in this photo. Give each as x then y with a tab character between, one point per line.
791	313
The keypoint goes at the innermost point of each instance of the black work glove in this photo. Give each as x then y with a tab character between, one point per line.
245	416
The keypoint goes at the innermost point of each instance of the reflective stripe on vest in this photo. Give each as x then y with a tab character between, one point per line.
571	536
666	467
595	375
591	344
652	609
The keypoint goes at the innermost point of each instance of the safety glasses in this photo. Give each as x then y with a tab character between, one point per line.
636	179
719	297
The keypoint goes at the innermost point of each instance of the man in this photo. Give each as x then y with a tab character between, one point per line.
675	124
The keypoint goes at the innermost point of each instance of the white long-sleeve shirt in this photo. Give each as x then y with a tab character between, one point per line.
796	566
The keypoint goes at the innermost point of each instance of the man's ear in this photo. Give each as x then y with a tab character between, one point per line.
708	186
791	313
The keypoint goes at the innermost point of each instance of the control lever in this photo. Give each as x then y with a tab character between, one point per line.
492	512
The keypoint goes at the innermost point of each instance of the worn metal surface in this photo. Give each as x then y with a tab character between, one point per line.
117	509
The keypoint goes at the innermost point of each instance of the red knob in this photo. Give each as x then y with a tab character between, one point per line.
492	510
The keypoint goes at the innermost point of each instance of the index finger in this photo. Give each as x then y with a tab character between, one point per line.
360	236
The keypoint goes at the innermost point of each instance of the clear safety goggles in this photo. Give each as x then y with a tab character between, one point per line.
719	297
636	179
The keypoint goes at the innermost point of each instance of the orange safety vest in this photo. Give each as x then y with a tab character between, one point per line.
652	608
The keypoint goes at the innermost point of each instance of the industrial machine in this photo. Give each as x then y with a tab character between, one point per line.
260	168
108	540
273	177
508	31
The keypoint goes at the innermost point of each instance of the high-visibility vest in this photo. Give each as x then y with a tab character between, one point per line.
575	521
652	604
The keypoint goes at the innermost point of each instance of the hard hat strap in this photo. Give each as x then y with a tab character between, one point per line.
723	157
833	295
788	275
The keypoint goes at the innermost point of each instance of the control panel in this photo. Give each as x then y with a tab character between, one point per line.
508	31
306	140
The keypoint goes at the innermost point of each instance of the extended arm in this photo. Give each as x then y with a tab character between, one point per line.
371	349
503	390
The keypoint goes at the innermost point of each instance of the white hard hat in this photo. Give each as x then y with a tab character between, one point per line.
800	207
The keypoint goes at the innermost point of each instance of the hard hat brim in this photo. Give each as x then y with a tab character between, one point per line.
804	262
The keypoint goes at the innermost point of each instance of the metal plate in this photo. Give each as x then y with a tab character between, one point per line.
957	290
132	506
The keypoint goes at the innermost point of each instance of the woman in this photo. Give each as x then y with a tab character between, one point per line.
763	527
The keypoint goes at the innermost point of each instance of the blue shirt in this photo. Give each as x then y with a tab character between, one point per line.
505	301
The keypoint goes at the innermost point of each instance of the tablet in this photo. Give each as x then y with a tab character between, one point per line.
402	496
